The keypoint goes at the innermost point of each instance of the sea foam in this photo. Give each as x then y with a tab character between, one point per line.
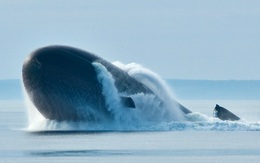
149	114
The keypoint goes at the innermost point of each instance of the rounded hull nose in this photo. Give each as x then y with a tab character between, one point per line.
62	84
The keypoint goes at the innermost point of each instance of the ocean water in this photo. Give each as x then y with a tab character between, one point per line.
150	133
198	141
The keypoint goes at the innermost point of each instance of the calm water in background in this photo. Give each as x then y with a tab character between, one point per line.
188	145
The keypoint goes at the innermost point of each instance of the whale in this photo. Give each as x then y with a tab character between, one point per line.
62	83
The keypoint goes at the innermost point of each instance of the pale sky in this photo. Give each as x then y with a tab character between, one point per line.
184	39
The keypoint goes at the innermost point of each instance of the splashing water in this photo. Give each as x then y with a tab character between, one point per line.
170	110
35	118
149	114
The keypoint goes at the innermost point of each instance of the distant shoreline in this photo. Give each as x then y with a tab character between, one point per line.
184	89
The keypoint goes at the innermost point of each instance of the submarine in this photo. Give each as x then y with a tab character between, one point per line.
63	84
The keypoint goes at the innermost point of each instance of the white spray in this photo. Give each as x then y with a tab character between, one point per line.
35	118
149	114
170	110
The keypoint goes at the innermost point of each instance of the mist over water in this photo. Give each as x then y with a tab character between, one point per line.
159	112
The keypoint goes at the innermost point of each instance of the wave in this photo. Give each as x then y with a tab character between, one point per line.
159	112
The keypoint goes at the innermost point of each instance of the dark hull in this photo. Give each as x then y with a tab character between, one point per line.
224	114
62	83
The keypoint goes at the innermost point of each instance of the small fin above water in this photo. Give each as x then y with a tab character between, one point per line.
127	102
224	114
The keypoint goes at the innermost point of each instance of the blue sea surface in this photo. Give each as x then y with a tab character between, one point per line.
194	141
